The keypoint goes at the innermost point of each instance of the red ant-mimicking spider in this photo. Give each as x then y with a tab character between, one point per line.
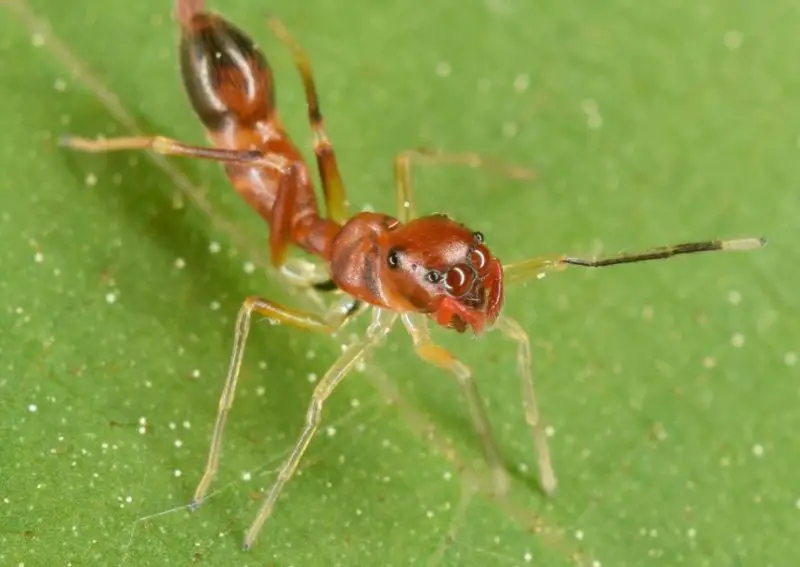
407	267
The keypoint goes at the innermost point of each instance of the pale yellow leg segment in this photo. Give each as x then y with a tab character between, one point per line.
439	356
300	272
168	147
275	313
535	268
510	328
402	172
381	324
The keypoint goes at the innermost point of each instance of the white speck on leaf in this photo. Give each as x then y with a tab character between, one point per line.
734	297
443	69
732	39
510	129
592	111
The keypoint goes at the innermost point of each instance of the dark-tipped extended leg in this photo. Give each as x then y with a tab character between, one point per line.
664	252
537	267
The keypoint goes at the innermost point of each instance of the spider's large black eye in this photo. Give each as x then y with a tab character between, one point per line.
478	236
433	276
393	259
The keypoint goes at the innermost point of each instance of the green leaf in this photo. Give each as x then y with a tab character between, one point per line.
671	388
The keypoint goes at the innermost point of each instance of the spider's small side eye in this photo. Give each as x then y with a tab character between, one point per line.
393	259
478	236
433	277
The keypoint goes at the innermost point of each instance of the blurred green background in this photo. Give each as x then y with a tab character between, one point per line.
671	388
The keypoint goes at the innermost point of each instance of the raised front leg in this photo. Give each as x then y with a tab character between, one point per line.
332	185
427	350
538	267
